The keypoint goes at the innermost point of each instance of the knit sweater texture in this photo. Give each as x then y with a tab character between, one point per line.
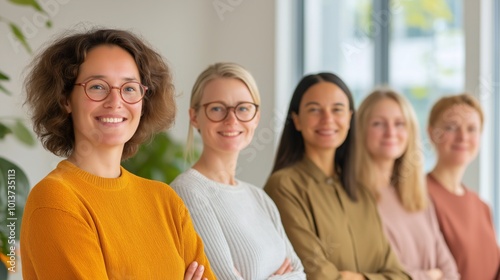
240	227
80	226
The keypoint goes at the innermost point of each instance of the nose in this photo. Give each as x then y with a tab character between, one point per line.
114	98
231	116
390	129
327	116
461	133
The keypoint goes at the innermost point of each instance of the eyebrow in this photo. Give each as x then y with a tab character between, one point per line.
316	103
102	77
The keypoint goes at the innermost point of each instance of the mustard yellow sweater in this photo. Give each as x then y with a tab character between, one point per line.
80	226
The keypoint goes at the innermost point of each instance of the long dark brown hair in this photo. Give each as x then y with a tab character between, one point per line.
292	149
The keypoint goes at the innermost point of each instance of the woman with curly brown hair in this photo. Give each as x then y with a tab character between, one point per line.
94	97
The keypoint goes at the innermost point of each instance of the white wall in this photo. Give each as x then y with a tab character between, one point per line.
190	34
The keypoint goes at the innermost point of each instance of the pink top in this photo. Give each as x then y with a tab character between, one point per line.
468	230
415	237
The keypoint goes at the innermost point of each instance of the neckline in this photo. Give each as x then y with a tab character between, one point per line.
437	182
94	180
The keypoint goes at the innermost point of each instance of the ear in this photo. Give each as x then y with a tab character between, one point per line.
296	121
67	106
193	118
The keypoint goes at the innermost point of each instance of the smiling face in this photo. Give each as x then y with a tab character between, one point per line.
324	117
229	135
456	135
386	131
111	122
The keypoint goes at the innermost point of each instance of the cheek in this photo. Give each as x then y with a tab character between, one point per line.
475	139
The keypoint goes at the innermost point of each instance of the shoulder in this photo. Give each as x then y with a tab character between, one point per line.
189	183
190	186
187	178
289	178
53	191
475	201
153	188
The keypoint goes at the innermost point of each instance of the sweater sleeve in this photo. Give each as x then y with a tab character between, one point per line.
193	250
208	227
63	246
296	221
391	268
445	261
298	269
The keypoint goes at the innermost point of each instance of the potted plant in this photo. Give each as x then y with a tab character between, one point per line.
14	185
162	159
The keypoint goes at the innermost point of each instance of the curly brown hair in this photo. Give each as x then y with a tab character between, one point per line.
53	74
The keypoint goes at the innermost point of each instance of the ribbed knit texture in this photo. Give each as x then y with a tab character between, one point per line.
415	238
80	226
467	227
240	227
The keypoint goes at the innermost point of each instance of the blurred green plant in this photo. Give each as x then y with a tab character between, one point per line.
417	14
17	182
162	159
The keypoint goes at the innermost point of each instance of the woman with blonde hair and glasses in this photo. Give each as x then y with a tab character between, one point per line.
239	224
389	164
94	97
455	125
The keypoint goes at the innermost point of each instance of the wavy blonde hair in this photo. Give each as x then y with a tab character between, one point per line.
407	175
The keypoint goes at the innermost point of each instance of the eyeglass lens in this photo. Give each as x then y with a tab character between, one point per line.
218	111
98	90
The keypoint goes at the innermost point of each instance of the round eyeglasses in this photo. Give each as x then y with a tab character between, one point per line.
218	111
97	90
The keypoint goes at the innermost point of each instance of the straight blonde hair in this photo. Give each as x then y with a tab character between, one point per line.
226	70
407	175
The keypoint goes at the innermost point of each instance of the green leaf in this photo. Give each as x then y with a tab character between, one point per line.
4	76
3	271
4	242
20	36
31	3
22	133
12	178
4	130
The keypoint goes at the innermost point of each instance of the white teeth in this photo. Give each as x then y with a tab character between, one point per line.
230	133
325	132
111	120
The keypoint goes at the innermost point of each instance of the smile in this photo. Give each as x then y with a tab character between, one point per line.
230	134
111	120
326	132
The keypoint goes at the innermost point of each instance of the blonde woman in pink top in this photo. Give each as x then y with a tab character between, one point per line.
455	125
389	163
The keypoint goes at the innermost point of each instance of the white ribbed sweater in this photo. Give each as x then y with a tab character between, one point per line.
240	227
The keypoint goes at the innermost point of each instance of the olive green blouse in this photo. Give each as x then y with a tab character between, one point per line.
329	231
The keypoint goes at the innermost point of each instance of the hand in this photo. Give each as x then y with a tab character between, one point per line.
194	272
349	275
435	274
285	268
